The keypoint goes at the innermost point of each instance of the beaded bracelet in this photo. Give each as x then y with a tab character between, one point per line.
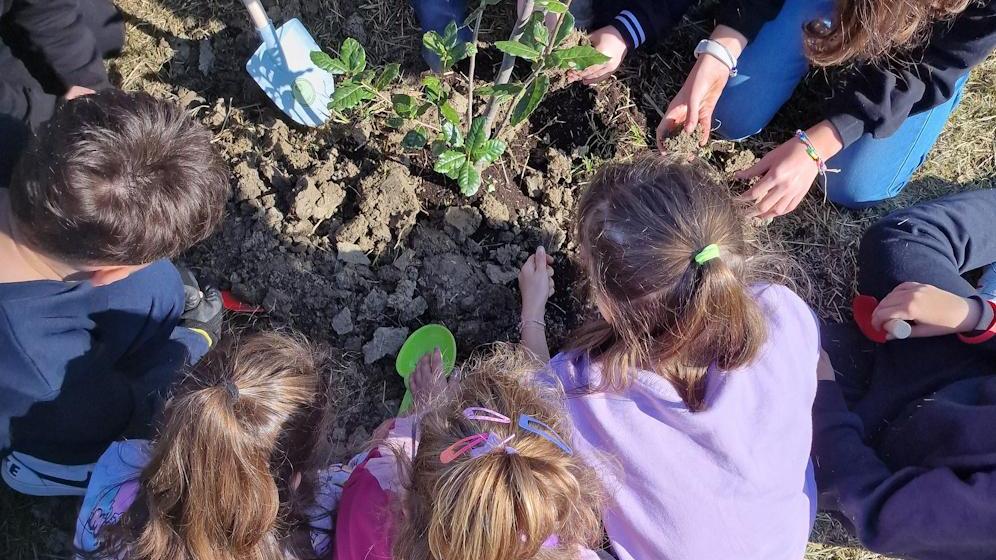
813	153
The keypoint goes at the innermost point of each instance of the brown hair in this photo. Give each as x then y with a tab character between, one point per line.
871	29
640	226
499	506
219	465
118	178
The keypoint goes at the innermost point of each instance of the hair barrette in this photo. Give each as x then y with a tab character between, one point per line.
534	426
485	415
476	445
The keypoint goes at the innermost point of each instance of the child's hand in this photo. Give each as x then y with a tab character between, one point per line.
536	285
77	91
787	173
428	381
609	42
931	311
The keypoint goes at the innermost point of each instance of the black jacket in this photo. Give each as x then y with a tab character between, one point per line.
56	32
877	98
640	21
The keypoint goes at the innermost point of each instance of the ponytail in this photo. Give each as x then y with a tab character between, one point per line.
667	261
208	490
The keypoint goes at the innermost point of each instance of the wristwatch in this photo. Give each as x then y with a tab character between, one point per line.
717	51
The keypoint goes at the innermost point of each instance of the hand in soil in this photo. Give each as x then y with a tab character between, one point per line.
696	100
428	382
536	285
787	173
609	42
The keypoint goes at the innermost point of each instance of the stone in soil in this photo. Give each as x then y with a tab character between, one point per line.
342	323
386	341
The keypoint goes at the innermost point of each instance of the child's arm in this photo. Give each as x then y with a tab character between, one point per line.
536	285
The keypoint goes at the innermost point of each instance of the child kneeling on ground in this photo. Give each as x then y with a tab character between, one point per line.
482	470
112	185
228	475
691	390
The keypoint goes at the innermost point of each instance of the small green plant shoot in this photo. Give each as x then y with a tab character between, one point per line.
463	144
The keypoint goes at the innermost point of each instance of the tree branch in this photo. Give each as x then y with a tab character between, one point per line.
470	72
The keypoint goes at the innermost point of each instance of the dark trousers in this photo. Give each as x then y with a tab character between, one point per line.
23	67
934	243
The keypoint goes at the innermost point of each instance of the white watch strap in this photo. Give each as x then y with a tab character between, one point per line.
717	51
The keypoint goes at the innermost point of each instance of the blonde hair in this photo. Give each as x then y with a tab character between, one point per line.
640	226
499	506
212	488
871	29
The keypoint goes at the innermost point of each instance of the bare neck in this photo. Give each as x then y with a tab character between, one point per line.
21	263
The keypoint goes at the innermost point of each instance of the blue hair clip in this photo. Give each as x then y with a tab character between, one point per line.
534	426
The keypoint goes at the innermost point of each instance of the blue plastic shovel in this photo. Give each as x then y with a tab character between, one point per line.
283	69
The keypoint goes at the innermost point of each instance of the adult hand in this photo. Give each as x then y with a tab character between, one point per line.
77	91
695	102
609	42
824	369
787	173
930	311
536	285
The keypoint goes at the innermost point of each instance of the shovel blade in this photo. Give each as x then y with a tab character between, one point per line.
289	78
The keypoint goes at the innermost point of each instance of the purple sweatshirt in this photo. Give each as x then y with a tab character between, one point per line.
731	481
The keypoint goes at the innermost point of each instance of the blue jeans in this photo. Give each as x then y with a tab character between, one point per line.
871	169
435	15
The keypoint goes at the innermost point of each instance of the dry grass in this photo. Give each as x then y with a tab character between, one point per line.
163	33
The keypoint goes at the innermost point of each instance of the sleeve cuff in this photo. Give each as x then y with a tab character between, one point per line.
848	126
980	336
630	27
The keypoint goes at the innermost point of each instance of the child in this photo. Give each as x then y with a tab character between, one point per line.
226	477
691	390
904	444
482	470
112	186
910	62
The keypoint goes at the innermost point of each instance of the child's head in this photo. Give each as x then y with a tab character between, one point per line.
641	227
118	179
526	498
218	483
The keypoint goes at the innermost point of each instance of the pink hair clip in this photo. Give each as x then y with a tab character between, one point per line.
476	445
485	415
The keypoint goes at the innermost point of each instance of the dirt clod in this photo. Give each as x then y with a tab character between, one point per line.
386	341
464	220
342	323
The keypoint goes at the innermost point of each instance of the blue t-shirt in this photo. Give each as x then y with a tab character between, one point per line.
83	365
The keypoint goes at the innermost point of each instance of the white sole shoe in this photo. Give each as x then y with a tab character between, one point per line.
35	477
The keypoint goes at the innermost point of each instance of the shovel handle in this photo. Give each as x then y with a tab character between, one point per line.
257	14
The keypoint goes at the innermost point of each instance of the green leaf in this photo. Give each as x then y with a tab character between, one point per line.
566	26
577	58
476	136
449	113
452	135
395	122
368	77
437	45
462	51
437	147
553	6
450	163
390	73
488	153
404	105
415	139
349	94
536	33
530	99
353	55
450	35
327	63
468	179
518	49
500	91
434	89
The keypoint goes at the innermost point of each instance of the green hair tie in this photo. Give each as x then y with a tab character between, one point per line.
707	253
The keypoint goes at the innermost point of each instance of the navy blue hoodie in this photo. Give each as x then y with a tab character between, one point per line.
81	366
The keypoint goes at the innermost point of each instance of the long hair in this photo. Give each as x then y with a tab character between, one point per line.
501	505
640	226
865	30
212	489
